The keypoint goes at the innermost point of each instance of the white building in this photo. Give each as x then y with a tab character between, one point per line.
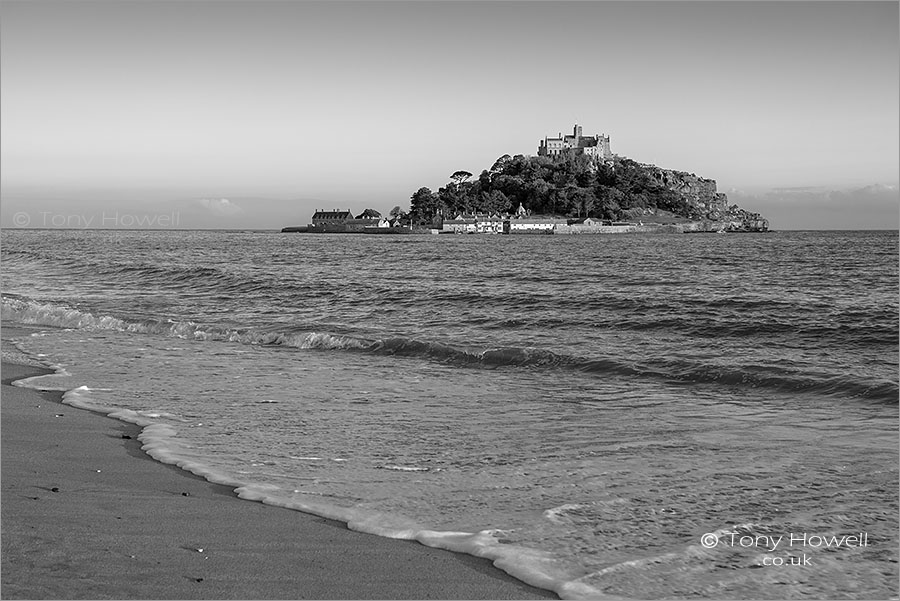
534	224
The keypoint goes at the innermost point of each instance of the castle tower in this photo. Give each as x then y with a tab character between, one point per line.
577	133
605	153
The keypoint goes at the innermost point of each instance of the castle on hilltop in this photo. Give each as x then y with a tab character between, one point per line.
596	147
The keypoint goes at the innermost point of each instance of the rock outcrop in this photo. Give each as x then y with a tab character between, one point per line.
710	207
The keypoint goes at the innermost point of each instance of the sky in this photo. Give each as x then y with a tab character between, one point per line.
261	112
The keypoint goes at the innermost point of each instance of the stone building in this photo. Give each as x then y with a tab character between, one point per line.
330	217
343	222
596	146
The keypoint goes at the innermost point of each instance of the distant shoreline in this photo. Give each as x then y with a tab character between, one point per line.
693	227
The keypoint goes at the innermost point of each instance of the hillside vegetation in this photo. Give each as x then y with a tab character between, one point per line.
571	185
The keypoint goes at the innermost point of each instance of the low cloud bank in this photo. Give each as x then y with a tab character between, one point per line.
870	207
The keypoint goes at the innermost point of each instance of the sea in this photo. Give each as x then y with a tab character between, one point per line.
605	416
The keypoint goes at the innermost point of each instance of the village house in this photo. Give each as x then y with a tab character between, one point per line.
359	224
475	223
369	214
534	224
370	218
587	221
523	223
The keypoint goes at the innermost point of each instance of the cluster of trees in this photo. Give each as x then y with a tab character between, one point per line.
571	184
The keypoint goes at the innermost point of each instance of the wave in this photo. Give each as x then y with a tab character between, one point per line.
160	441
173	276
679	371
738	317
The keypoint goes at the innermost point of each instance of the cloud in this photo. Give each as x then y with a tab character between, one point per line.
875	206
221	206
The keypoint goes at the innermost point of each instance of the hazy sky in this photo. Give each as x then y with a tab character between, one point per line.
358	104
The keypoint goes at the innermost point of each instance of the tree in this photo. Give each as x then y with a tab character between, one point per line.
494	201
564	200
537	194
608	200
396	212
605	175
485	183
501	164
537	168
512	186
424	205
582	202
460	176
455	195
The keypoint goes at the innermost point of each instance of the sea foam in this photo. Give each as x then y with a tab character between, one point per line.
160	441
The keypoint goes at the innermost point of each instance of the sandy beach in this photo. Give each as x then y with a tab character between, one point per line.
87	515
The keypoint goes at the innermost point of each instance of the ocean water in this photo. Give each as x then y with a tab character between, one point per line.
580	409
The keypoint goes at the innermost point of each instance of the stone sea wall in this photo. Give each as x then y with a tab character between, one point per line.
691	227
617	229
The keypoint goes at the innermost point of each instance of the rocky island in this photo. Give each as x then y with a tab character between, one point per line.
575	184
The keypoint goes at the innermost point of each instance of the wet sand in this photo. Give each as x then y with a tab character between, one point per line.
87	515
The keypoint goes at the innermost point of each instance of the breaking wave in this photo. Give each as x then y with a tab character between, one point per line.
23	310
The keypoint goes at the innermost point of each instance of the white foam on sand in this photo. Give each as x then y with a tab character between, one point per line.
160	441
